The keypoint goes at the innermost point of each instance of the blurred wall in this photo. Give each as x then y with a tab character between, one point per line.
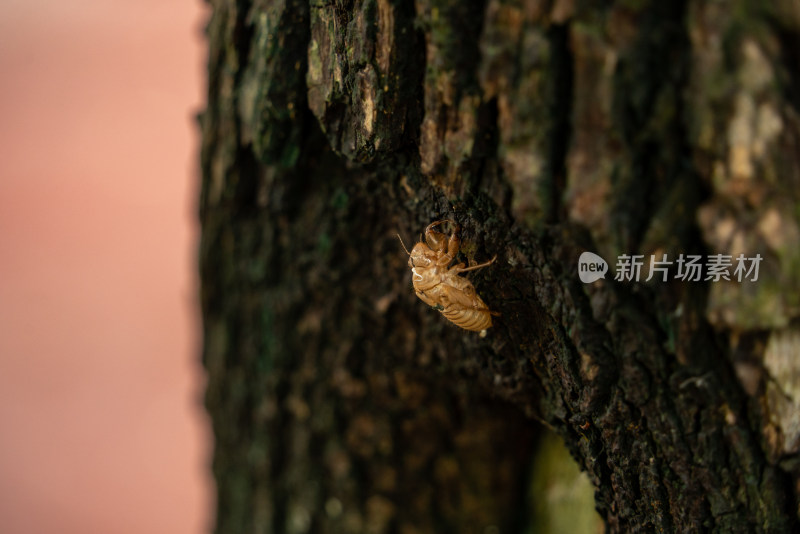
101	421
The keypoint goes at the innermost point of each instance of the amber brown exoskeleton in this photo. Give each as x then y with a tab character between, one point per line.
440	286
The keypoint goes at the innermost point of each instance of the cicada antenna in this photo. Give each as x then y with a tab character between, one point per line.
403	244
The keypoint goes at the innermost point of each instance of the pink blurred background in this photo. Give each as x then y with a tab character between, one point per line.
101	420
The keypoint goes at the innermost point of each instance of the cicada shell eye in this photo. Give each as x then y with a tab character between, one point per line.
419	260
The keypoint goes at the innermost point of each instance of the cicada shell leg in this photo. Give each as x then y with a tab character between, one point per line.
462	269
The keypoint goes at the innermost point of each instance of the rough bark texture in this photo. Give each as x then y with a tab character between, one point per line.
341	403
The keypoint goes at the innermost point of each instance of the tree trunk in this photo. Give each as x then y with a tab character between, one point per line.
546	128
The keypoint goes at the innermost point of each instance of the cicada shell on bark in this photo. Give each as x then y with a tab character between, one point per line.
439	285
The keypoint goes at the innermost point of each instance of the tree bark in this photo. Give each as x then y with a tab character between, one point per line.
545	128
